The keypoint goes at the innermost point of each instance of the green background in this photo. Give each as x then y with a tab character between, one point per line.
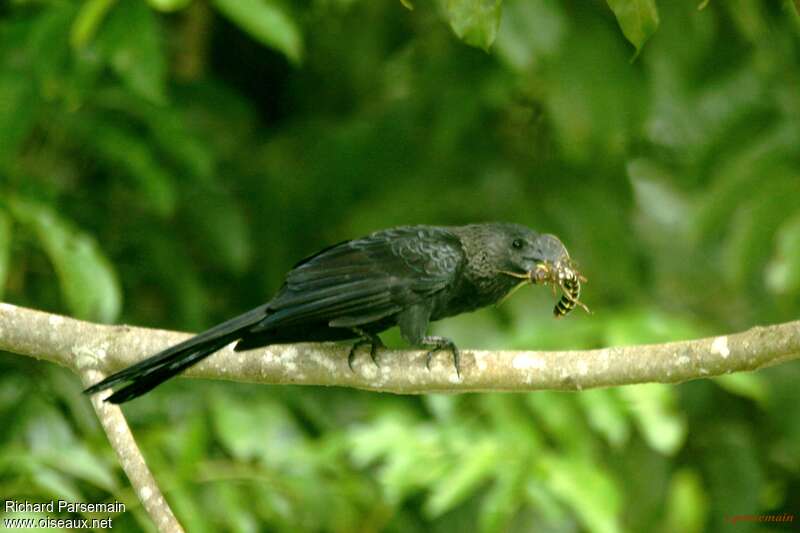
164	163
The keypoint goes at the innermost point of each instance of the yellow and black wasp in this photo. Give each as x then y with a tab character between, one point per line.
571	288
562	274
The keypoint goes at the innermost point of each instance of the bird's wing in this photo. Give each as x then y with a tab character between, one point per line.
361	281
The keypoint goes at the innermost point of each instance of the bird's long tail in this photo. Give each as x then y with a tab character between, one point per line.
151	372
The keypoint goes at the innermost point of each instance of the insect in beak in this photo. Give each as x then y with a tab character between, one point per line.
571	291
562	275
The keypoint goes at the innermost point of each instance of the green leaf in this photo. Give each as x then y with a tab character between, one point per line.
748	385
793	7
733	471
56	485
266	21
640	326
589	491
783	271
544	501
740	177
478	464
660	205
169	6
127	153
5	249
637	18
606	414
475	22
755	224
49	49
687	503
219	225
130	40
241	509
559	416
80	463
502	500
17	113
45	428
592	122
88	20
88	282
168	128
532	30
411	455
264	430
175	269
748	17
653	407
191	444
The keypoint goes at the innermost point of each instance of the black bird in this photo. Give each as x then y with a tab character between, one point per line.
406	276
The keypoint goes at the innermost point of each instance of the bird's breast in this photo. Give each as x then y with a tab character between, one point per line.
471	294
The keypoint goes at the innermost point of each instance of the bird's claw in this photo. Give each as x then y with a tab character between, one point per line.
373	353
352	355
374	341
439	344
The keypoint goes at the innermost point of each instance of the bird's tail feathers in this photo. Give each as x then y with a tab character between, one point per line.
154	370
148	378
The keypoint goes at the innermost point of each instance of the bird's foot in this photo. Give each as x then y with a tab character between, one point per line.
442	343
373	340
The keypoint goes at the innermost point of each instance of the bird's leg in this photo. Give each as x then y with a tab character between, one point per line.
372	339
441	343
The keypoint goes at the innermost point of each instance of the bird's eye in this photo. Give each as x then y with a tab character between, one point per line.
517	244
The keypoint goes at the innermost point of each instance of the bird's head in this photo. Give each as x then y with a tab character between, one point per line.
512	249
525	251
502	258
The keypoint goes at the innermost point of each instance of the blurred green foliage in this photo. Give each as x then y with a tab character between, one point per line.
164	163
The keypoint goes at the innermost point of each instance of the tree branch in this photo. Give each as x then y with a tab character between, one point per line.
131	459
35	333
95	350
77	344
